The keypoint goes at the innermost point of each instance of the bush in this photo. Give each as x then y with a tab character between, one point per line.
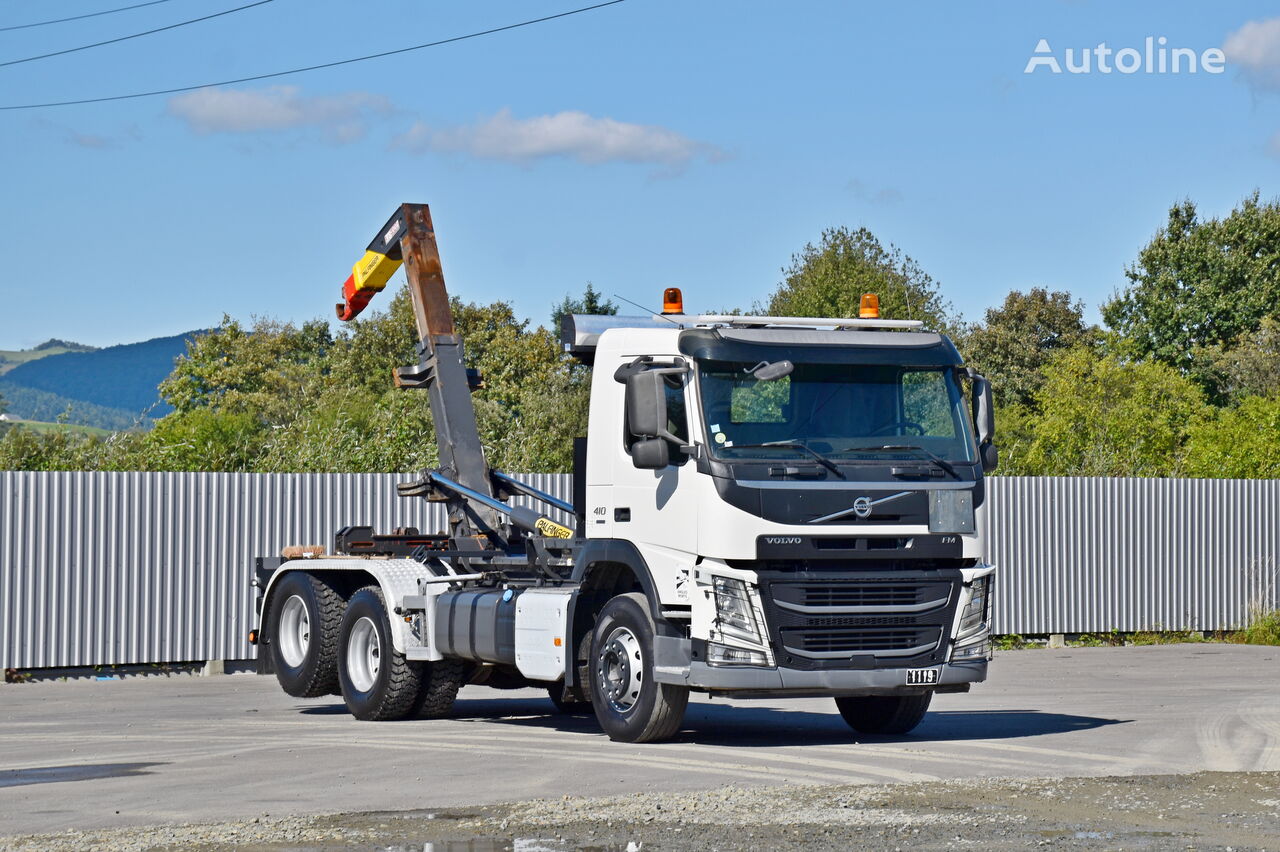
1264	630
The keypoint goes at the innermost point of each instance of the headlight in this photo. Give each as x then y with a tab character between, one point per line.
973	618
733	610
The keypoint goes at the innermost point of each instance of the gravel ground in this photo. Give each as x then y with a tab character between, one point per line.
1208	810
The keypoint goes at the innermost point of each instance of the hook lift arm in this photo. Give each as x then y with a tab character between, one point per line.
463	481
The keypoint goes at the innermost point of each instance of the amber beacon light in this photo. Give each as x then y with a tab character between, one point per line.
672	301
870	307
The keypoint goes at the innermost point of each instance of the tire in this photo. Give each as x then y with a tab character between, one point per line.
378	684
884	714
629	704
441	681
568	706
302	628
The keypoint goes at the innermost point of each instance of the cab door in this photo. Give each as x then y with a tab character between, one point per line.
657	510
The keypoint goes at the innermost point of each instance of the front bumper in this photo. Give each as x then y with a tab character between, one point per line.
674	665
752	681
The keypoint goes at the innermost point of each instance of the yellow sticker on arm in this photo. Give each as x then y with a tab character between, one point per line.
551	529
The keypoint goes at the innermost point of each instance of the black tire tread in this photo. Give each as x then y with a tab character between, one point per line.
404	677
440	684
568	706
331	606
670	700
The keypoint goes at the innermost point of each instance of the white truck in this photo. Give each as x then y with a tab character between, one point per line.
764	506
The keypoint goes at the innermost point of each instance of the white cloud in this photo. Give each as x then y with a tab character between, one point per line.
1255	47
341	117
571	134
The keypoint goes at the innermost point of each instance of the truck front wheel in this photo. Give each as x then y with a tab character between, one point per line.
378	684
884	714
629	704
302	627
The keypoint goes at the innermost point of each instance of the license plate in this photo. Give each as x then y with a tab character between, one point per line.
920	677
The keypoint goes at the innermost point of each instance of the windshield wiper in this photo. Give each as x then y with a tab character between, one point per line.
941	462
822	460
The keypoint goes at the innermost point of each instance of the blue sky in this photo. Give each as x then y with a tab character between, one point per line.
649	144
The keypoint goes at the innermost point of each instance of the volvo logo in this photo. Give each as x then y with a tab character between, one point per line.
862	508
782	539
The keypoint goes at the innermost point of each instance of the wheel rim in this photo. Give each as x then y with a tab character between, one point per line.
364	654
295	631
619	667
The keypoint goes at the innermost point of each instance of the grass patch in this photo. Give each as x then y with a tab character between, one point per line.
1014	642
10	358
42	426
1264	630
1110	639
1165	637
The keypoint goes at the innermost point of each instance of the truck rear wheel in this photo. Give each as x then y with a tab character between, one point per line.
629	704
884	714
378	684
441	681
568	702
302	627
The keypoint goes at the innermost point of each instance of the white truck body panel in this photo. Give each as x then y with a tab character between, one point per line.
541	634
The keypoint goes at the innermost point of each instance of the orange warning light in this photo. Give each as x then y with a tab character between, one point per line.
672	301
870	307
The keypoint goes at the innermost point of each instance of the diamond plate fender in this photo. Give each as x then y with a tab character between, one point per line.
397	578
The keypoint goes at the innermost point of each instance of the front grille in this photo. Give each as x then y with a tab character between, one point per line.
860	620
879	595
861	640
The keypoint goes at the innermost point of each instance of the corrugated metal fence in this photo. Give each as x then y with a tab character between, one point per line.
118	568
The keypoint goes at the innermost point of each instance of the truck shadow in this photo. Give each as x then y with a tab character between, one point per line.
741	724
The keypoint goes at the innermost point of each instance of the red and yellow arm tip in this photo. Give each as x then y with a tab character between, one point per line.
369	275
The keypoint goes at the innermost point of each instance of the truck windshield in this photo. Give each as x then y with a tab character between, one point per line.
845	412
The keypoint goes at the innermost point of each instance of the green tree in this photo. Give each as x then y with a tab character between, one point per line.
828	280
1249	367
1200	283
206	439
1102	416
1016	340
590	303
266	370
1237	443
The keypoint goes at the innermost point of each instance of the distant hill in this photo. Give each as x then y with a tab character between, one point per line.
37	405
10	359
109	388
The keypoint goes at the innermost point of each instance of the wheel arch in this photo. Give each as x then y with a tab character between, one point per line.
395	577
603	569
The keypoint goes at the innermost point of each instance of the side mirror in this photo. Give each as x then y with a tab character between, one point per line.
984	420
646	405
990	457
651	454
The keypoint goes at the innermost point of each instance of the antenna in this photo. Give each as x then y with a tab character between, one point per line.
643	308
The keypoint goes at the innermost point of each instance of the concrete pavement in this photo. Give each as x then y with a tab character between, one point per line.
144	750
